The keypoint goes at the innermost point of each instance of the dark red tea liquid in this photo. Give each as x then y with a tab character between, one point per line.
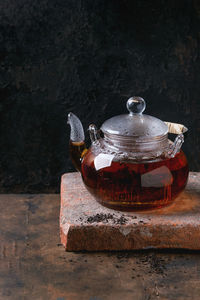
128	185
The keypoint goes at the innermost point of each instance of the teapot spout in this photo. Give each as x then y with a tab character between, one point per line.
77	147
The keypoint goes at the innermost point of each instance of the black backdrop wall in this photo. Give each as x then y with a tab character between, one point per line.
89	57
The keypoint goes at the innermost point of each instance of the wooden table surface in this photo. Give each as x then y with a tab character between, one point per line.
34	265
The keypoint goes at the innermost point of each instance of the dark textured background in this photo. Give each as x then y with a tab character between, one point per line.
89	57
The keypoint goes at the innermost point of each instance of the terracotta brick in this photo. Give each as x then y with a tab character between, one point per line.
87	225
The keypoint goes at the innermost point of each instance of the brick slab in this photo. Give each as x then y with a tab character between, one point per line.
87	225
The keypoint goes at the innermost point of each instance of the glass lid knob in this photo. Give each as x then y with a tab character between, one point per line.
136	105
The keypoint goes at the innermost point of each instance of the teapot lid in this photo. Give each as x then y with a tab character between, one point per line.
135	124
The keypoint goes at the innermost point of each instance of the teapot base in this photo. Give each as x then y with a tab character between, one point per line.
135	206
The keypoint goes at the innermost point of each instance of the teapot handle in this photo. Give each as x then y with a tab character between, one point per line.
179	130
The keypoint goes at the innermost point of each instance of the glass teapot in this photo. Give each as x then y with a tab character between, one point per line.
131	163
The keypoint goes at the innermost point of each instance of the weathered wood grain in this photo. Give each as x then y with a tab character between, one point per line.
34	266
87	225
